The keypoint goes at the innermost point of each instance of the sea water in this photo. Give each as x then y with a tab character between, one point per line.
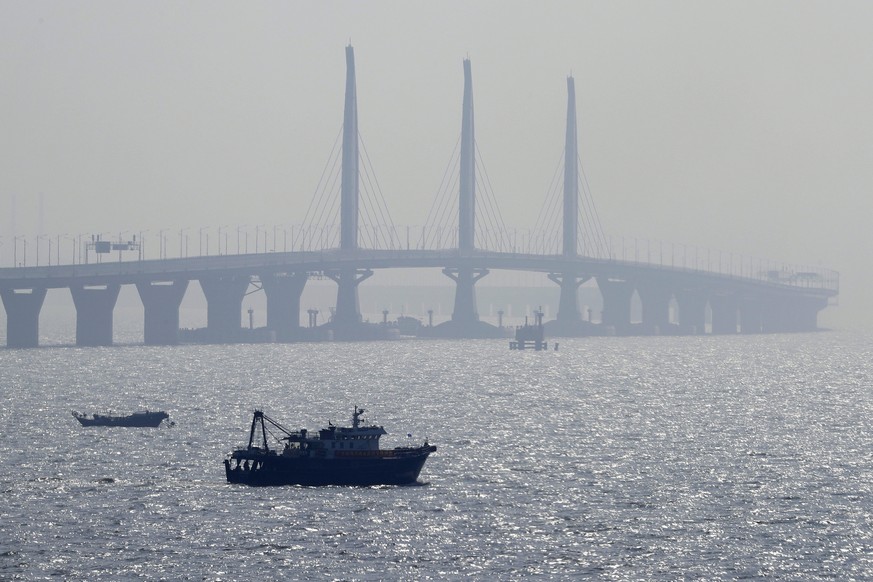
656	458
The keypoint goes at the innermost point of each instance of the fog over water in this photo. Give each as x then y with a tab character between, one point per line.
741	128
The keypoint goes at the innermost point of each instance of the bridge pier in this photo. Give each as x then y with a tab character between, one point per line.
655	299
348	306
224	297
724	314
568	305
616	303
283	291
692	311
161	301
94	307
466	312
806	312
751	315
794	314
22	316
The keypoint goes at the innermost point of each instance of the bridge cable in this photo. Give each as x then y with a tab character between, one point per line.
445	205
545	209
490	203
383	209
602	244
330	163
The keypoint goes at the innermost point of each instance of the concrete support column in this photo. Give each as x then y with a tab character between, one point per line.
724	314
22	316
655	298
94	306
283	292
465	279
348	306
751	316
775	318
616	302
160	301
791	314
692	311
568	305
224	297
807	313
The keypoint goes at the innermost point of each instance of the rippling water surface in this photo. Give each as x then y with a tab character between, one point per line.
614	458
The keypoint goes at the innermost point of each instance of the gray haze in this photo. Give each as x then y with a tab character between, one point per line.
742	127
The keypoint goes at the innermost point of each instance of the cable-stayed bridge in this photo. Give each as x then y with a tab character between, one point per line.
348	233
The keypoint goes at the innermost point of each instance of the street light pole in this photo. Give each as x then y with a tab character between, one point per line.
257	234
200	240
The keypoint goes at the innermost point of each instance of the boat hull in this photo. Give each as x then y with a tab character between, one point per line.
272	469
136	420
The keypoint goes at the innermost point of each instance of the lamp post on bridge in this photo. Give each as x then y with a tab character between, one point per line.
257	237
38	237
141	251
15	250
183	240
238	232
162	243
225	227
72	239
200	240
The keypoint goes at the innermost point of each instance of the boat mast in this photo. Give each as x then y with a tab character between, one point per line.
258	416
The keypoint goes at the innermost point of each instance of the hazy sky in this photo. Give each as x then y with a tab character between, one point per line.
741	126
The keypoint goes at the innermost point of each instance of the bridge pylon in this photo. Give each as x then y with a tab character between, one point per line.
465	316
569	321
346	322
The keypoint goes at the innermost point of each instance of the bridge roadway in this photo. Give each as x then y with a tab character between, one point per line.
753	304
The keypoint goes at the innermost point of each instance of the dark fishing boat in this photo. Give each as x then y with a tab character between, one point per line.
143	418
335	456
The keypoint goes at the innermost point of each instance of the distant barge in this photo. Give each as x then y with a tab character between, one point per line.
531	336
141	419
335	456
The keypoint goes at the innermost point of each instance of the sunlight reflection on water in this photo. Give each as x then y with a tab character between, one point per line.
620	458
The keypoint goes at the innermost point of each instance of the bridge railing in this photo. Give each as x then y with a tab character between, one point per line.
695	258
66	249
